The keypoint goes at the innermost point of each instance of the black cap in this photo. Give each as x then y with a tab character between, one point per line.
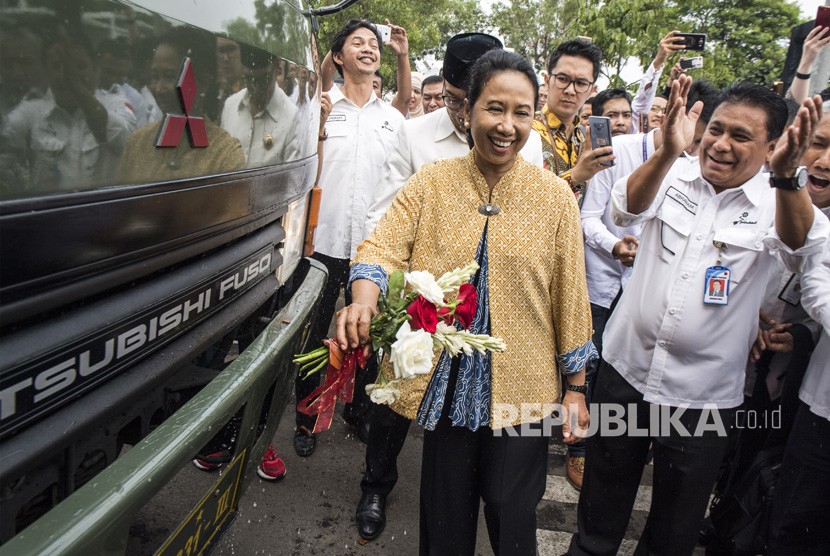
462	52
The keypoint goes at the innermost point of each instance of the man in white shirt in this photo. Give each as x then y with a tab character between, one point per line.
357	140
671	348
71	138
261	115
801	504
610	249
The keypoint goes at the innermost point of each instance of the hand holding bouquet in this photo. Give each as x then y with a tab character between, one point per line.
414	320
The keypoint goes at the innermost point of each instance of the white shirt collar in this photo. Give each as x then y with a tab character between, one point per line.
754	188
445	127
336	95
272	108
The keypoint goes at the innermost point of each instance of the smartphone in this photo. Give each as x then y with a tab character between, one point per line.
778	88
644	123
385	32
691	63
693	41
600	133
823	16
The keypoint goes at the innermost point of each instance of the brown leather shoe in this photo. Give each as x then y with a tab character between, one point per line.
575	469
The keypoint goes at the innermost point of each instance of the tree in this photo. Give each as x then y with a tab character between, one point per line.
746	39
533	28
428	24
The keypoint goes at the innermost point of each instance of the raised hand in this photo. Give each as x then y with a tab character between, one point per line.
796	139
398	42
679	126
670	44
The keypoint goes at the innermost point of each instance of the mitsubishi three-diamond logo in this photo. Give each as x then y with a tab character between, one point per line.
170	132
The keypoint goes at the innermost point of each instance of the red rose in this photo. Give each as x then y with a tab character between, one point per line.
424	314
466	310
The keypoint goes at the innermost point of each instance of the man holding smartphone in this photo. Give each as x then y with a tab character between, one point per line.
572	71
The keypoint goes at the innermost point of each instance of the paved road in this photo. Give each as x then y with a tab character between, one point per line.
311	511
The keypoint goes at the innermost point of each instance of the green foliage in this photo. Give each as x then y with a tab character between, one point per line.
533	28
746	39
428	24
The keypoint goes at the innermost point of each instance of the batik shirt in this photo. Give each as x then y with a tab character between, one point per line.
560	152
537	294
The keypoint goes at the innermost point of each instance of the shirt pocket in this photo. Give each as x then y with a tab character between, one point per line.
336	146
676	223
742	246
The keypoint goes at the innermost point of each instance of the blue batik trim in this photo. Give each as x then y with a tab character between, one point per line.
471	402
575	360
373	272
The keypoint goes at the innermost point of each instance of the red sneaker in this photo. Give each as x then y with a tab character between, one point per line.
272	467
213	461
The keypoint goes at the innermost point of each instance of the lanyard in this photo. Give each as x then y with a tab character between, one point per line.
645	147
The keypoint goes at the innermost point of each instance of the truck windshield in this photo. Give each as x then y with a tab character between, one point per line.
98	94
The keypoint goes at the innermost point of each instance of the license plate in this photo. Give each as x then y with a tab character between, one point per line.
210	517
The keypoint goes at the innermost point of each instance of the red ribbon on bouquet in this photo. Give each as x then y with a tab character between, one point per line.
339	384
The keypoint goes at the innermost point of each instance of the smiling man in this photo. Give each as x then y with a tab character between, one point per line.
572	70
356	144
668	345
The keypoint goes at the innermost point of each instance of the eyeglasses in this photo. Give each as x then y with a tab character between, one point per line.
656	109
562	81
452	102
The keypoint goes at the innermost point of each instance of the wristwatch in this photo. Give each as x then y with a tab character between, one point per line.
581	388
794	183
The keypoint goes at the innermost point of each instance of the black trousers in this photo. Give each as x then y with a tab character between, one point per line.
338	279
685	469
460	467
387	435
599	318
802	496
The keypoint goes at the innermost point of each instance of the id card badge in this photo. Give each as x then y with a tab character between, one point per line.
792	291
716	287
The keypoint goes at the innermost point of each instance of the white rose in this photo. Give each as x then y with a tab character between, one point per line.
424	283
412	354
384	395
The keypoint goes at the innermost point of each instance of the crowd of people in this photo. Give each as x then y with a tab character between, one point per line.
684	268
630	275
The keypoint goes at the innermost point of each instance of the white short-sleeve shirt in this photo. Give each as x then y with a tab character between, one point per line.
662	337
359	142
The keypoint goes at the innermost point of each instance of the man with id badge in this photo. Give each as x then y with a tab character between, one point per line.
355	145
679	338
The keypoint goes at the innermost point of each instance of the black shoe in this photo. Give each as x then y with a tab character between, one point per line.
304	442
371	515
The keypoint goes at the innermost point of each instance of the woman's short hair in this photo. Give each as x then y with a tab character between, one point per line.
497	61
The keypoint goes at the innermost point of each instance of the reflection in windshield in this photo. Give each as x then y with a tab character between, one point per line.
75	132
142	160
84	86
261	115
